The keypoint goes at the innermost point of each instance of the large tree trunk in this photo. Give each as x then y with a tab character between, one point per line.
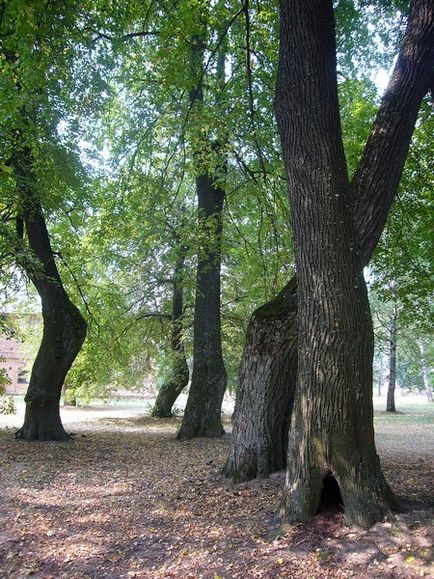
264	402
390	406
179	374
383	158
202	416
425	371
331	431
64	328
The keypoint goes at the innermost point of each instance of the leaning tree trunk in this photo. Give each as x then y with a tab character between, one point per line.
264	403
331	431
390	405
64	328
179	374
373	188
63	335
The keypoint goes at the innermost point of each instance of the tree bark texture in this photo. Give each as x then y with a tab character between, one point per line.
425	371
179	375
202	416
264	402
331	430
386	153
64	328
390	406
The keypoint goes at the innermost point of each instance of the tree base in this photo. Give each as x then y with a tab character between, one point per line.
201	429
202	415
161	413
42	422
366	497
248	465
42	435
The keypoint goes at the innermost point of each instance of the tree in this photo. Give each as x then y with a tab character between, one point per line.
256	447
331	431
425	371
162	134
64	326
202	416
179	372
40	169
393	333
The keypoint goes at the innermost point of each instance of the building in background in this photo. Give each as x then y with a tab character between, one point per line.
15	361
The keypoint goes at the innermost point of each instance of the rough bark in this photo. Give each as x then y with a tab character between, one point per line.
331	431
264	403
390	405
425	372
202	416
64	328
179	373
385	152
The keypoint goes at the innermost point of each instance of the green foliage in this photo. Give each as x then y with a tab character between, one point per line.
402	266
7	405
101	93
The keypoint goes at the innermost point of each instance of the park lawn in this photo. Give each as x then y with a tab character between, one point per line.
125	499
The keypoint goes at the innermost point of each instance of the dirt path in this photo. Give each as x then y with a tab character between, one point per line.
124	499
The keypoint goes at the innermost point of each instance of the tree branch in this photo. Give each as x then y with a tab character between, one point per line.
124	37
377	177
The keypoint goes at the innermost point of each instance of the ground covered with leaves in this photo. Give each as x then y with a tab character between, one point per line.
125	499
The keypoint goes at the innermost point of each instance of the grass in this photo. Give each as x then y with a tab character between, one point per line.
412	427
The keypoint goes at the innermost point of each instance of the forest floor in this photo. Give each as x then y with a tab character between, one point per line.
125	499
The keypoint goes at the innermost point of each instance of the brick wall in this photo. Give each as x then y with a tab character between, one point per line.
14	363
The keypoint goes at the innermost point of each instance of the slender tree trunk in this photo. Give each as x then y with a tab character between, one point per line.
380	377
64	328
425	372
390	406
372	189
202	416
179	374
